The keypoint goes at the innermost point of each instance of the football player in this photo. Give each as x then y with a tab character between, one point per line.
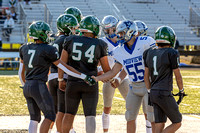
142	28
36	59
142	31
66	25
77	13
109	24
83	53
74	11
160	64
129	56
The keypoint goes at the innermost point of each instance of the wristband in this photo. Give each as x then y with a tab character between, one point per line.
119	79
82	76
148	90
60	79
182	90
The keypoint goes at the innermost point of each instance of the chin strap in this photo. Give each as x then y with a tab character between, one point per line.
112	36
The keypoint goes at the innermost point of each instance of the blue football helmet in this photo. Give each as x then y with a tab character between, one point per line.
109	22
126	29
142	27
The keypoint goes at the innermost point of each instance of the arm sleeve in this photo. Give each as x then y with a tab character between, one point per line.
174	59
20	52
20	73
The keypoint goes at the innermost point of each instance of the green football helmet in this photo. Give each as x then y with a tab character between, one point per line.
66	23
74	11
90	24
40	30
165	34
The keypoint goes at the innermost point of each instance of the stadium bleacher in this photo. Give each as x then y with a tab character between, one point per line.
17	33
162	12
153	12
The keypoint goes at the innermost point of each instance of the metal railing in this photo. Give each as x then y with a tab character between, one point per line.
23	21
114	10
9	64
48	17
194	17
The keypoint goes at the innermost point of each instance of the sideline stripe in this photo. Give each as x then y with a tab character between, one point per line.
118	98
9	76
189	77
194	116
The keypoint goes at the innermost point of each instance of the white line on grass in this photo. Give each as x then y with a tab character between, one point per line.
191	77
192	86
8	75
189	83
194	116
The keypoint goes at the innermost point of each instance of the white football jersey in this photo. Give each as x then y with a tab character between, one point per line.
132	59
111	47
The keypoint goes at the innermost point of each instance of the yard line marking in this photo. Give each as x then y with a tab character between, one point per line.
195	116
191	83
192	86
8	75
118	98
191	76
185	104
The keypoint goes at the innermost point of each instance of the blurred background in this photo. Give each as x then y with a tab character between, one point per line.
182	15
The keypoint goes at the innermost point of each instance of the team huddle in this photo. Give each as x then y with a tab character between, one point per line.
125	58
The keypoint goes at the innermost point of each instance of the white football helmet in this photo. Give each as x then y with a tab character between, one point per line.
109	22
126	29
142	27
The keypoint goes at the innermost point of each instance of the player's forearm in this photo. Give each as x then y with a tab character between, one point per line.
146	79
106	76
179	79
69	70
60	73
110	74
104	64
122	74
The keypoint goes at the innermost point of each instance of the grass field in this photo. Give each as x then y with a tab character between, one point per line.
12	101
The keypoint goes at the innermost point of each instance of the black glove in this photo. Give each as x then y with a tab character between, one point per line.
89	80
181	94
22	87
149	100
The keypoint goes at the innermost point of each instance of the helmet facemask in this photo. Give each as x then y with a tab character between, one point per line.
67	24
110	32
126	30
109	24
